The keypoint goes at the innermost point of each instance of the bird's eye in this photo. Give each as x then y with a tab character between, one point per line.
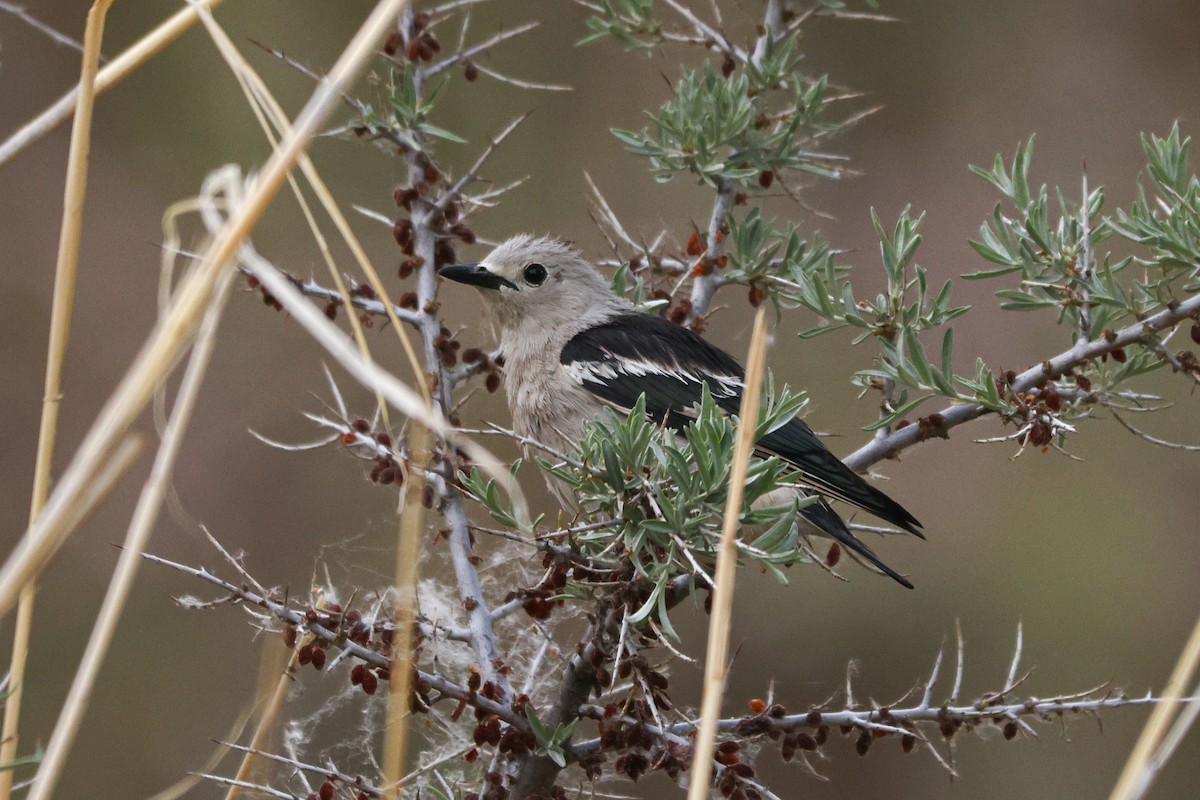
535	274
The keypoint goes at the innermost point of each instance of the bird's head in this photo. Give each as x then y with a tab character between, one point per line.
537	279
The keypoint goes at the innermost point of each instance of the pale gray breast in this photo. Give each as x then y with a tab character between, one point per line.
549	406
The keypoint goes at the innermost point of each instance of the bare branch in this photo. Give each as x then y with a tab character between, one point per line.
1051	369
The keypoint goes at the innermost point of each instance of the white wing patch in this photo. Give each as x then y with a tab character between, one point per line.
616	367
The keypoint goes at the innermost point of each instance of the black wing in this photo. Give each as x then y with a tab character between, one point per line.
638	353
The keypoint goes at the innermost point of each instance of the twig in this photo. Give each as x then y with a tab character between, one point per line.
463	55
335	638
22	13
473	172
520	84
1152	439
705	285
1052	369
159	354
137	55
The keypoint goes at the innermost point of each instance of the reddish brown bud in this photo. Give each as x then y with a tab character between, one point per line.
755	296
1118	355
402	232
766	178
493	381
331	309
318	658
728	66
432	173
834	555
404	195
1040	434
393	43
1010	730
695	245
407	266
949	727
470	71
326	790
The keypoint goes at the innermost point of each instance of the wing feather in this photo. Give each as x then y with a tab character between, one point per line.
635	354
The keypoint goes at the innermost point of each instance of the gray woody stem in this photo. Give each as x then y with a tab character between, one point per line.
957	413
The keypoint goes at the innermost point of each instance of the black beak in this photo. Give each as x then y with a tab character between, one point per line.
476	275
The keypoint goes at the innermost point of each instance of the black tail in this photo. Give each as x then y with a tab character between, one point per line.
827	520
797	444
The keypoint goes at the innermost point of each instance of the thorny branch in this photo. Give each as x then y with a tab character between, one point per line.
1062	364
706	277
326	627
798	733
436	207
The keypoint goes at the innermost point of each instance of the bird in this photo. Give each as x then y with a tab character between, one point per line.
573	347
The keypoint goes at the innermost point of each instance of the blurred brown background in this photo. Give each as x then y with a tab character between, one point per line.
1099	559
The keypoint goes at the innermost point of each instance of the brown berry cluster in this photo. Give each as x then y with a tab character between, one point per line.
444	222
386	469
269	300
1039	405
328	789
347	626
447	347
492	367
421	45
363	291
536	599
927	427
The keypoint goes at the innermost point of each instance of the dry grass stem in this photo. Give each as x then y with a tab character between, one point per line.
160	352
62	307
371	375
116	71
266	721
721	621
411	512
271	117
144	517
1139	771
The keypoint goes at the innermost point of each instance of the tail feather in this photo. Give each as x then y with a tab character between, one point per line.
829	523
797	444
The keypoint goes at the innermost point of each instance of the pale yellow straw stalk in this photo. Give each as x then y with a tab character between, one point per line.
62	306
721	618
114	72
